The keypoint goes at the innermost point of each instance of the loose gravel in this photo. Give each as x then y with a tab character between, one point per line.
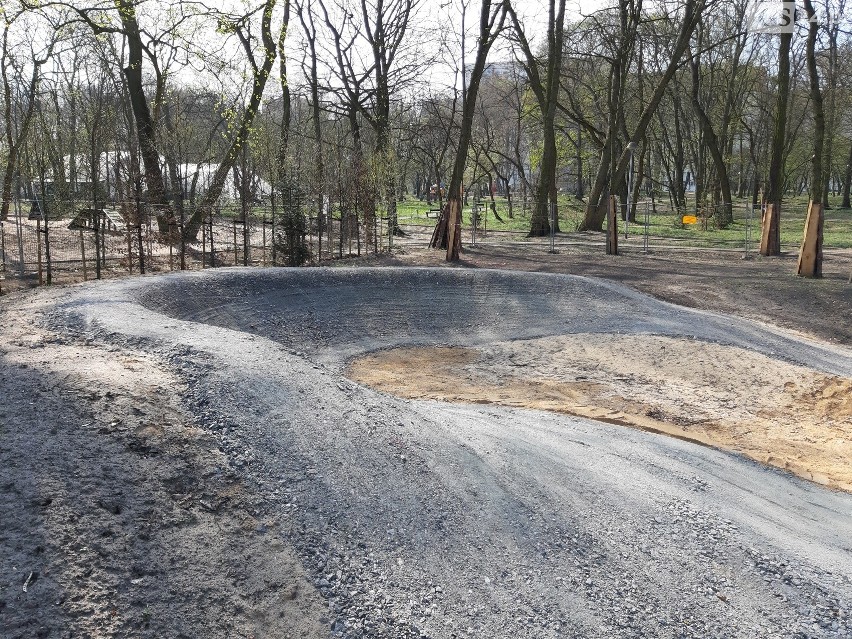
422	519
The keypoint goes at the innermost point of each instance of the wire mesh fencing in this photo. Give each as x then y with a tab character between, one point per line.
125	238
651	226
115	240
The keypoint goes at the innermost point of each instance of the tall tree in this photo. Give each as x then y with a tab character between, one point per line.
261	65
546	90
770	240
306	17
613	168
711	140
286	100
387	27
810	253
18	106
448	229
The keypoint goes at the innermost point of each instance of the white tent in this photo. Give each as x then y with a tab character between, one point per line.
114	167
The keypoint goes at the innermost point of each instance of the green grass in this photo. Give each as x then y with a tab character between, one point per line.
664	225
412	211
837	231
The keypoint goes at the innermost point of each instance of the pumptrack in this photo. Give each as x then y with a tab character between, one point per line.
419	518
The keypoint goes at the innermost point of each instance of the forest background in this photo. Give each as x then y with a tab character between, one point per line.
343	115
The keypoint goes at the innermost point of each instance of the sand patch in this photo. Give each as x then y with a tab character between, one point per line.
777	413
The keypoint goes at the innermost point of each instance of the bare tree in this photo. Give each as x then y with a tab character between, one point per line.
311	61
546	90
19	101
613	166
448	229
810	253
770	242
260	65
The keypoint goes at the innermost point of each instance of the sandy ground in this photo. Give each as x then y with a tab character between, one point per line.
785	416
776	413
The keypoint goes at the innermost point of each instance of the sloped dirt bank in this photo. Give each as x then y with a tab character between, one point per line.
777	413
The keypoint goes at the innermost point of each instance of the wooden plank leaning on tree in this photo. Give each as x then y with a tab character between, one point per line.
810	254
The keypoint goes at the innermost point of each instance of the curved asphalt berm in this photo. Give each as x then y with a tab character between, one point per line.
418	518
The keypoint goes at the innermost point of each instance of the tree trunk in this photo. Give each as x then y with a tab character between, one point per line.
831	118
261	74
145	128
579	193
847	182
319	178
692	13
14	142
725	216
286	107
810	253
448	228
770	240
546	91
598	202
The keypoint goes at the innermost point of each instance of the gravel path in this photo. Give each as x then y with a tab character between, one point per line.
420	519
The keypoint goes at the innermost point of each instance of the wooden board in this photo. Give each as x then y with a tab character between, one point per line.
612	227
810	254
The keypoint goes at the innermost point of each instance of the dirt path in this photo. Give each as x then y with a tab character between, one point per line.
120	516
473	520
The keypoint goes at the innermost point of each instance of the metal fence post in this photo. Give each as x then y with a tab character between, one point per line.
19	228
38	252
141	248
83	255
748	231
171	247
182	242
212	246
203	242
553	209
129	246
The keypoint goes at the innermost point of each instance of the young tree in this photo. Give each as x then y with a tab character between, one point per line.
19	100
311	61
